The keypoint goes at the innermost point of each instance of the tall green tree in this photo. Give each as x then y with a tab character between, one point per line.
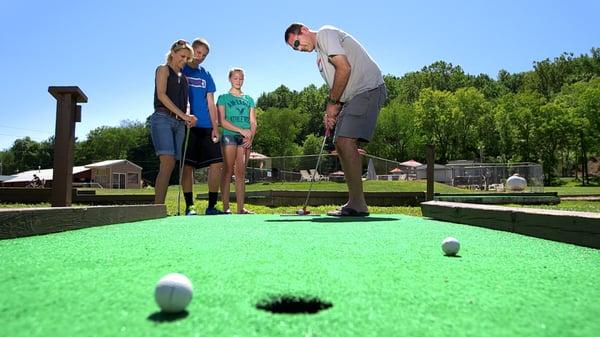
278	130
7	163
397	136
434	118
470	108
556	128
282	97
26	155
311	103
511	82
582	99
444	76
107	142
312	144
516	121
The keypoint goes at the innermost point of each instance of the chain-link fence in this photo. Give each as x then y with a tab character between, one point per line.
462	174
493	176
302	168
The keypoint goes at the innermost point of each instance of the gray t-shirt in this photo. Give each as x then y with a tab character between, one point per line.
365	74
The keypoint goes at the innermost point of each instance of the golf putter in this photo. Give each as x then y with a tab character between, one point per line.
303	210
185	145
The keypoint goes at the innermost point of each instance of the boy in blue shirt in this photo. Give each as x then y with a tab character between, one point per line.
203	148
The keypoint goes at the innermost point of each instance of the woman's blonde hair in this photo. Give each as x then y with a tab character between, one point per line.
233	70
177	46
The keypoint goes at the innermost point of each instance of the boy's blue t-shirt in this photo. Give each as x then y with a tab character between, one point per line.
200	83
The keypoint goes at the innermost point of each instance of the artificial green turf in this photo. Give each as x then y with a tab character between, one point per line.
385	276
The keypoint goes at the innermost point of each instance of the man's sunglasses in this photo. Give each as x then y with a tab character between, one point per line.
296	43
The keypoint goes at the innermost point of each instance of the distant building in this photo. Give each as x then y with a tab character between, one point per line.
119	173
4	178
441	173
26	178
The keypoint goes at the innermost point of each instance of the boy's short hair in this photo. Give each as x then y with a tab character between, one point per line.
200	41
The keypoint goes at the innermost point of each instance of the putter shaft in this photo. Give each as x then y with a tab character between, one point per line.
315	171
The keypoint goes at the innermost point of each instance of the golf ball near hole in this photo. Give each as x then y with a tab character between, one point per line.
450	246
173	293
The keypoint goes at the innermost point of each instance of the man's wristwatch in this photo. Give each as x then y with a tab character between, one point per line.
332	101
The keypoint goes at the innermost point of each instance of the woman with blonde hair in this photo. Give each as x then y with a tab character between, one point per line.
238	119
169	119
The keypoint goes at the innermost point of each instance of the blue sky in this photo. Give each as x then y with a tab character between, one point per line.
110	48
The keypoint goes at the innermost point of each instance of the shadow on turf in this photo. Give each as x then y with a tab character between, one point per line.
162	317
331	219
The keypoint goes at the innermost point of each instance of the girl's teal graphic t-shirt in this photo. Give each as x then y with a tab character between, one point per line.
237	111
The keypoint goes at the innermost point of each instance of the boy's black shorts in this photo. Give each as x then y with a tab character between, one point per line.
201	150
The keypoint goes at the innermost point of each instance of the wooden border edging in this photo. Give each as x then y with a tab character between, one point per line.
88	197
579	228
20	222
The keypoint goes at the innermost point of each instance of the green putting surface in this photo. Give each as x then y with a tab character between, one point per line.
384	275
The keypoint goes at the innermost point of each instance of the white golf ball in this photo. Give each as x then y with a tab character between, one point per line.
450	246
173	293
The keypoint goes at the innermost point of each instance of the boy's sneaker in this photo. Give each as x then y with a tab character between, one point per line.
191	211
213	211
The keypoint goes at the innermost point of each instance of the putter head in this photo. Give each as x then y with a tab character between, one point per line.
303	211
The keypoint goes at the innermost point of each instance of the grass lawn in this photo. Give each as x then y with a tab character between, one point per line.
570	187
369	186
569	205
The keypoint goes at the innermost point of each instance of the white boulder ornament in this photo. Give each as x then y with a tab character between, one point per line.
516	183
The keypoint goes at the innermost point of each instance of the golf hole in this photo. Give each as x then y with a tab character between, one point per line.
289	304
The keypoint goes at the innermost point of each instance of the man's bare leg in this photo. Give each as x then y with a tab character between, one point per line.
352	166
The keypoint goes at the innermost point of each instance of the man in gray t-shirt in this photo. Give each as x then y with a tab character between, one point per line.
357	93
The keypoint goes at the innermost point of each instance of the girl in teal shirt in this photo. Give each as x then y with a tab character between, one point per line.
238	119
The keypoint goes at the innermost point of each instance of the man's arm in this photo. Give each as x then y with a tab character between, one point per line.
340	80
212	110
341	77
213	113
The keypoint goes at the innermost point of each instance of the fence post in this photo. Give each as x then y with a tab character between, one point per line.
430	171
67	114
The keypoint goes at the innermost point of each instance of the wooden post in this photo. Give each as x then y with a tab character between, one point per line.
430	171
67	114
